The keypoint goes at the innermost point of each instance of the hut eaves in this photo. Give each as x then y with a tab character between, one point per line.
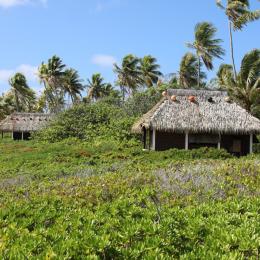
25	122
210	113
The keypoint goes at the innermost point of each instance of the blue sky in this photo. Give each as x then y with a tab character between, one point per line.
90	35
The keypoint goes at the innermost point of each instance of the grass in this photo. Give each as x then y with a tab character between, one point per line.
106	200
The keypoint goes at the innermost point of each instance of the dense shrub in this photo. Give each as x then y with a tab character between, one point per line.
89	121
256	148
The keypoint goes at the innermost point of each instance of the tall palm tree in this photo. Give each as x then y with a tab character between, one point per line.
239	15
245	89
129	76
24	97
188	72
206	46
72	84
96	87
51	76
150	70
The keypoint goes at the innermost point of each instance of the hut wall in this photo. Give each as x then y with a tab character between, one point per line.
20	135
17	136
165	140
236	144
203	140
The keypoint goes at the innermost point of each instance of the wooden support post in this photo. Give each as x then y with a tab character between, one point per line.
251	144
186	141
154	140
219	142
144	138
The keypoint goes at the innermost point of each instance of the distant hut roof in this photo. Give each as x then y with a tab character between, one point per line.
24	122
205	112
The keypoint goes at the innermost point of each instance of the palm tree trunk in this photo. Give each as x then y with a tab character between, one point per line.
232	50
123	92
16	101
198	71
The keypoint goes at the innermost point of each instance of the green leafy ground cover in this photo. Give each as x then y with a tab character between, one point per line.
110	200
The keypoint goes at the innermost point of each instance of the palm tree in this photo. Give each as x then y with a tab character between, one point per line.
51	76
239	15
150	70
206	46
129	76
225	71
245	89
188	73
96	87
24	97
72	84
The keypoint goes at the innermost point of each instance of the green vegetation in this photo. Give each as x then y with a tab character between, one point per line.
109	199
95	194
83	188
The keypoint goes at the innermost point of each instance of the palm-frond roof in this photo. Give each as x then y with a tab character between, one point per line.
210	113
25	122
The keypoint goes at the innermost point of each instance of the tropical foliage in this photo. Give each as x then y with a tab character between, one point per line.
150	70
206	46
97	88
24	96
188	71
239	15
129	76
62	200
72	85
246	88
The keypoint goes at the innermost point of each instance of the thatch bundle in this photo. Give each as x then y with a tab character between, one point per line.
209	112
24	122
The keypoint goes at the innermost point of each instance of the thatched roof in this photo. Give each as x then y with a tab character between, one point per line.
24	122
210	113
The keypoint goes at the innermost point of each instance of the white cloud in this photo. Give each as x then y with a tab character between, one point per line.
13	3
103	60
28	70
102	5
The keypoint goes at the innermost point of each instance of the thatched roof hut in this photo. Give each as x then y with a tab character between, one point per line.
197	112
24	123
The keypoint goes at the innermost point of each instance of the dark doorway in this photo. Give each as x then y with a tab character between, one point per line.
238	145
19	136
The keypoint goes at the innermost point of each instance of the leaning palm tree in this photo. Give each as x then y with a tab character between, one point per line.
206	46
129	76
188	72
239	15
150	70
245	89
96	87
72	84
51	76
24	97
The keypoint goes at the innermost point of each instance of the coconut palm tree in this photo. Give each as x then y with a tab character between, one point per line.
225	71
129	76
246	88
51	76
188	72
24	97
207	47
96	87
239	15
72	84
150	70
